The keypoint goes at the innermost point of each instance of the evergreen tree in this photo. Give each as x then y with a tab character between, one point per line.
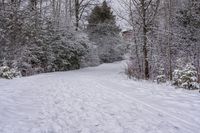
101	14
104	32
94	17
102	18
186	78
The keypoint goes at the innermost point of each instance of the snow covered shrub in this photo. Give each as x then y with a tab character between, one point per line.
9	73
161	79
109	45
129	70
132	71
186	78
36	44
90	56
56	51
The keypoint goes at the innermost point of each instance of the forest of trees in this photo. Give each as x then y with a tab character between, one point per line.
43	36
166	38
56	35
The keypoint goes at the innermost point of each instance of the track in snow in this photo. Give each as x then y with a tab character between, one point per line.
95	100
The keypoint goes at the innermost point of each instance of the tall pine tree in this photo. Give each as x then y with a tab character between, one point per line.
104	32
102	17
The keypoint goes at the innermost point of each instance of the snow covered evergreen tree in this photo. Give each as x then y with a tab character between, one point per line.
104	32
161	78
186	77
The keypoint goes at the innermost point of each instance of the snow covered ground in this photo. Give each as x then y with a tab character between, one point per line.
95	100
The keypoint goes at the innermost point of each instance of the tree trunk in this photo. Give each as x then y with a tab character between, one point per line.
2	6
198	64
54	12
145	51
168	31
169	41
77	13
40	7
70	9
66	12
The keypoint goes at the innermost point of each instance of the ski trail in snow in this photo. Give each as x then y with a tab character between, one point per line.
147	105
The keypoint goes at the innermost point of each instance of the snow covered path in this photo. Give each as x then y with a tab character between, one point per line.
95	100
